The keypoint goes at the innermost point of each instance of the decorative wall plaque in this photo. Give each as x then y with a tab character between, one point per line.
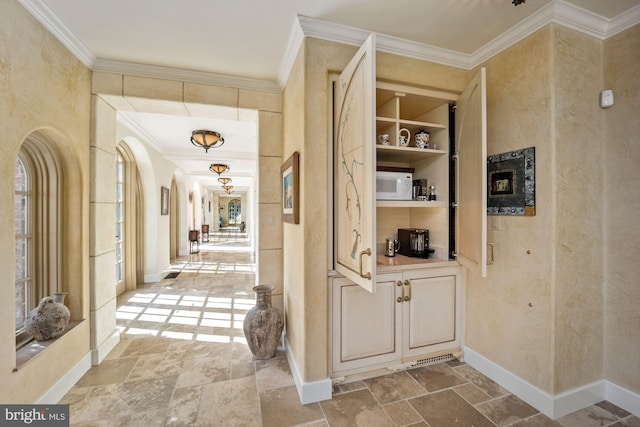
511	183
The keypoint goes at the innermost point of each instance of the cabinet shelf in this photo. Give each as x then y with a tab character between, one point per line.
390	153
410	123
410	204
386	119
427	125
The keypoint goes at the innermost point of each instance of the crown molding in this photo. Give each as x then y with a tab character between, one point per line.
55	26
39	10
581	20
562	13
296	38
624	21
557	11
411	49
512	36
344	34
169	73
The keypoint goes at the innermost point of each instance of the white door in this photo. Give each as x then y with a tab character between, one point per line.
365	325
471	180
354	142
430	315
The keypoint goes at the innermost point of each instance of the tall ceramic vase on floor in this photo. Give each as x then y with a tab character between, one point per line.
48	320
263	325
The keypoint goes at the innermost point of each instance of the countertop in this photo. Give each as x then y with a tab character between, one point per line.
401	262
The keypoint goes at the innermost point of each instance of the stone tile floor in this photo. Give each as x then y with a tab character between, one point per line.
183	361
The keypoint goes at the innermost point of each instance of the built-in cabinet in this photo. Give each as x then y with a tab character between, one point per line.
388	311
413	314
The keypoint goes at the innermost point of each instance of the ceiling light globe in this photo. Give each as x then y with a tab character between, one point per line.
219	168
206	139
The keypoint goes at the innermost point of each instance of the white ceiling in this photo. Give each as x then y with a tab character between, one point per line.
251	42
169	134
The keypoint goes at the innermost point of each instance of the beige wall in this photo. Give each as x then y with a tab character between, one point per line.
621	154
540	311
102	228
293	241
578	250
500	323
44	89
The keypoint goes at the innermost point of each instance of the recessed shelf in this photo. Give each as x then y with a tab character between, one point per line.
390	153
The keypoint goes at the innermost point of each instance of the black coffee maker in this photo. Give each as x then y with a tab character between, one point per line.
414	242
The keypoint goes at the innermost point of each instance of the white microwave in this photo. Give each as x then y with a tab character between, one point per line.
394	185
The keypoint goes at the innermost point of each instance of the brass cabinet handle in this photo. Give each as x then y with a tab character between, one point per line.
400	299
490	261
363	253
407	283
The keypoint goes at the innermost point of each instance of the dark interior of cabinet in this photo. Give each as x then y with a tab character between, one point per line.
452	181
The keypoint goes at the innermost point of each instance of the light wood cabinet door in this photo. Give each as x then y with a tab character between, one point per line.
471	180
432	318
430	314
354	142
365	325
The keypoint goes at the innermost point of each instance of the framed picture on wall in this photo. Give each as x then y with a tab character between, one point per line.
164	201
290	190
511	183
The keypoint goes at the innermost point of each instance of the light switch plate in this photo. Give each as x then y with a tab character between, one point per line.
606	98
495	222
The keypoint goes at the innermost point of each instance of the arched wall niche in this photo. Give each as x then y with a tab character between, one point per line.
62	218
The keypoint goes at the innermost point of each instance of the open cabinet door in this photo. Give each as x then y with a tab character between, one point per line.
471	175
354	142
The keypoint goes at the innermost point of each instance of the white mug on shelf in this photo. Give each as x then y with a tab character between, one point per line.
383	139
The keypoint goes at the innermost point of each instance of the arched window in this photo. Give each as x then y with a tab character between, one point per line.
235	212
37	218
120	220
129	221
23	256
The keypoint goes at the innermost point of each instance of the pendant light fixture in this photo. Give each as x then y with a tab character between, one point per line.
206	139
227	187
219	168
224	181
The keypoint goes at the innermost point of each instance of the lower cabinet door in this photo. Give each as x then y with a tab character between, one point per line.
364	325
430	316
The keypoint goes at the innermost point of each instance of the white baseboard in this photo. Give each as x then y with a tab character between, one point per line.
626	399
68	380
309	392
98	354
554	406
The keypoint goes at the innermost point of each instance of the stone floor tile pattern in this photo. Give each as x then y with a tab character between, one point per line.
182	360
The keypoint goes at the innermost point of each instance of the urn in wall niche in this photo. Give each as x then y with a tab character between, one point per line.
263	325
48	320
